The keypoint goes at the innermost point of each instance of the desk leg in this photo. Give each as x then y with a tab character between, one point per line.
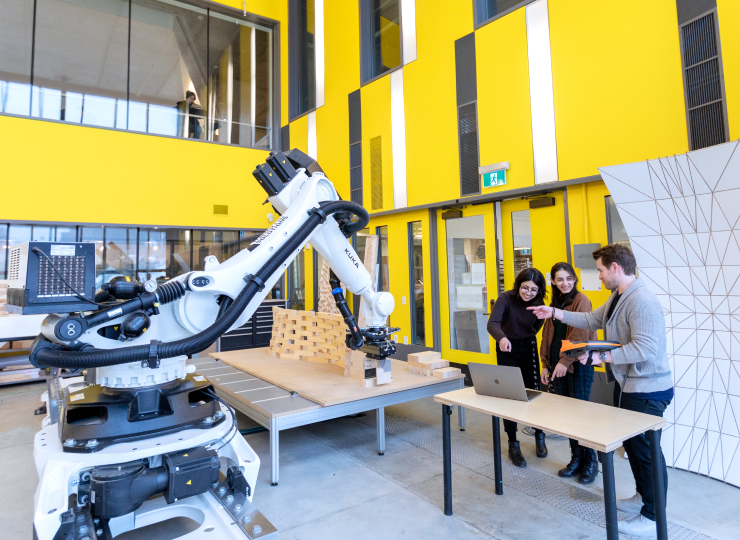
610	495
461	418
656	457
497	455
275	451
447	458
380	429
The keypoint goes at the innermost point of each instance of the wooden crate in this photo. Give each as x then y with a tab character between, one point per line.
308	336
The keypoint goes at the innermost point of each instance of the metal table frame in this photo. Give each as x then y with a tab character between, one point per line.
607	462
276	424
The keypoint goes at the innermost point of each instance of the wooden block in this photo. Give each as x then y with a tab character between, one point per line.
415	358
433	363
446	373
416	370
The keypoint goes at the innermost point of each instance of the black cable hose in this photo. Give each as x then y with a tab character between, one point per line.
50	357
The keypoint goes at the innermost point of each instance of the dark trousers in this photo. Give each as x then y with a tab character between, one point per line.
575	385
638	450
524	356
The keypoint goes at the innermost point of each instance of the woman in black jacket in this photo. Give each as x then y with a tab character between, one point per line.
515	331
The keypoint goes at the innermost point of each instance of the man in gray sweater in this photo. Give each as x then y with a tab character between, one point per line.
633	316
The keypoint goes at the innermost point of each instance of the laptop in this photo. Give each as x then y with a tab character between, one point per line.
500	381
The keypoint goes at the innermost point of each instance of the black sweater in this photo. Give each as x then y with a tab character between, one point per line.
510	318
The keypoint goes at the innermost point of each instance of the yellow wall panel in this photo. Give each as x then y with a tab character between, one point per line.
618	83
432	170
376	121
299	134
504	117
587	211
165	181
728	12
342	60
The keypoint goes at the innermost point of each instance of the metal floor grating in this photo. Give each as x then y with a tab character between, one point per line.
578	501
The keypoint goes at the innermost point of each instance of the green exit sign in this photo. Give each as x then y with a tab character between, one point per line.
494	178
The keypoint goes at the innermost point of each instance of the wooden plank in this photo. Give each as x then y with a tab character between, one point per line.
323	383
594	425
446	372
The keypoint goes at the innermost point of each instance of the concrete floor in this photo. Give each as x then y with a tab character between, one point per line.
333	485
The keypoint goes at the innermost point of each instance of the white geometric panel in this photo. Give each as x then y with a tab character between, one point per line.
682	214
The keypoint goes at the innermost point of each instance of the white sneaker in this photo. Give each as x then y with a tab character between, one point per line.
638	525
630	506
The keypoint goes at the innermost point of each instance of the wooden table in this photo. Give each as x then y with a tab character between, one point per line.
281	394
593	425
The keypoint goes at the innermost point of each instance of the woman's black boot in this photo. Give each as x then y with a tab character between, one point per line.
571	469
539	439
515	454
590	469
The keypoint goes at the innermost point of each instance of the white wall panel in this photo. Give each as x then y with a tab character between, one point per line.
541	93
696	275
398	140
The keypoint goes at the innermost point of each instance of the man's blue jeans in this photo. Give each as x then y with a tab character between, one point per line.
638	450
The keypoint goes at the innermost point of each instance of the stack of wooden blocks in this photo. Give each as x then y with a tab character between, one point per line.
430	363
307	336
4	299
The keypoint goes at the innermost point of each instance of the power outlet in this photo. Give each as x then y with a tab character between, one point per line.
403	300
405	340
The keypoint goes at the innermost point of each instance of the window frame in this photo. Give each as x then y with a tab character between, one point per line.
365	36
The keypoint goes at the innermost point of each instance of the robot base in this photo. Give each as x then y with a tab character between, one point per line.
60	472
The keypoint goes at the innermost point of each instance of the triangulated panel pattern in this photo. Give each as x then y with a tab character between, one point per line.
682	215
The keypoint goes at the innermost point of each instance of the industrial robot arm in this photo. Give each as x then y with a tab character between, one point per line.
188	313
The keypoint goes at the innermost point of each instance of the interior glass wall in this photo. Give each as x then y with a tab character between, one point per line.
466	267
168	90
522	233
416	265
16	31
154	66
157	253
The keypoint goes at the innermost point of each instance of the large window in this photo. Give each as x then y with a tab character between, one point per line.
156	253
466	268
153	66
416	265
381	37
383	274
302	62
485	10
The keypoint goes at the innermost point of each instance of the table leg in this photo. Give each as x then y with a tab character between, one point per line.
447	458
461	418
497	455
610	495
274	451
380	429
656	457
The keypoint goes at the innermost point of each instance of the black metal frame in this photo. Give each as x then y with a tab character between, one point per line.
607	462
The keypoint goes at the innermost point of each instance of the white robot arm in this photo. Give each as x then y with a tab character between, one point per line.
178	318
